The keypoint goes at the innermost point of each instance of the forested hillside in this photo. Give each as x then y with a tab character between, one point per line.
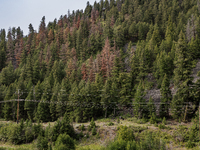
86	64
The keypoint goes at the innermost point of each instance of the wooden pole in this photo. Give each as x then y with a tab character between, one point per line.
18	108
199	121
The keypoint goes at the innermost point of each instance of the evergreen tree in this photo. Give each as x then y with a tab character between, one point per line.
182	61
125	89
43	112
64	142
166	97
53	100
82	109
181	99
29	106
2	49
151	107
106	96
62	98
97	87
119	36
36	72
139	104
8	109
7	75
72	103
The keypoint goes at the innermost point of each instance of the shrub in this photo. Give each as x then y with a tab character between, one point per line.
82	127
16	134
29	134
94	131
110	124
161	126
190	144
117	145
151	142
125	133
98	135
87	135
118	121
42	143
89	128
81	134
62	127
64	142
164	121
181	134
4	133
92	123
153	118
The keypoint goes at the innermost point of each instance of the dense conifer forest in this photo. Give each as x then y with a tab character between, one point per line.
95	63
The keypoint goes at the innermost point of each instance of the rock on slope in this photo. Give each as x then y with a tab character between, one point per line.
156	95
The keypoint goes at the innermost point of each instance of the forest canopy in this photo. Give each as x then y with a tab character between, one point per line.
103	56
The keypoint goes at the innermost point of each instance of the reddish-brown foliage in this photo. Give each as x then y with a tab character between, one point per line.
50	36
91	76
84	72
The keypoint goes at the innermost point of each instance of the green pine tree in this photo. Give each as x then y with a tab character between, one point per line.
166	98
139	104
43	111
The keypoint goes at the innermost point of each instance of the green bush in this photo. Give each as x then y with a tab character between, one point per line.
118	121
98	136
190	144
16	134
164	121
4	133
92	123
117	145
125	133
29	135
149	142
89	128
161	126
64	142
82	127
110	124
42	143
20	133
81	134
152	120
181	134
94	131
87	135
62	127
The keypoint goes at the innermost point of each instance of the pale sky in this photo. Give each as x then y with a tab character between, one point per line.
14	13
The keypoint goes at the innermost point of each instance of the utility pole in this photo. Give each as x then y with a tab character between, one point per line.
199	120
18	108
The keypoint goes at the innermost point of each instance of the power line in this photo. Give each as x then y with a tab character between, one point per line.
90	103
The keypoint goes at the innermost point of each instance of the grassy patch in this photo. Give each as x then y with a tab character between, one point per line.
103	120
9	146
89	147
